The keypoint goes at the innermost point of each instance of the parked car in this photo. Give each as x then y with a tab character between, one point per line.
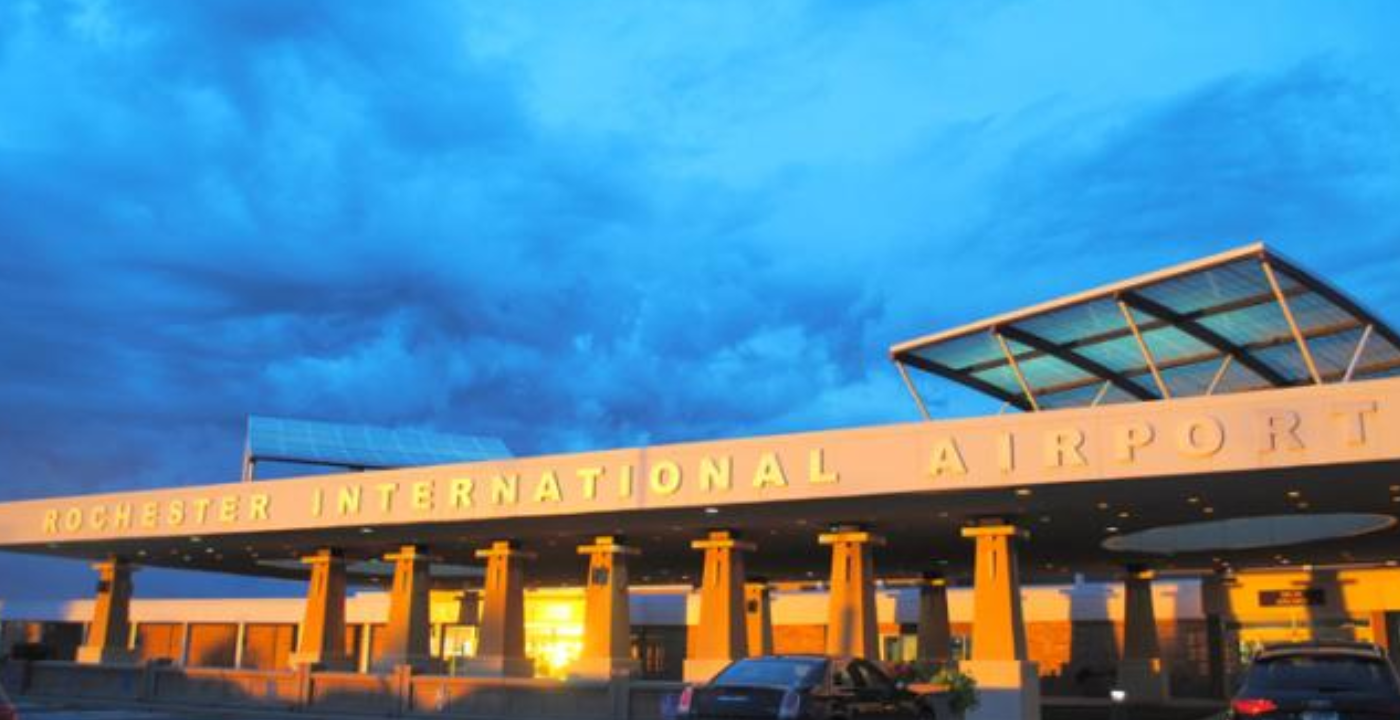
7	709
1319	681
802	687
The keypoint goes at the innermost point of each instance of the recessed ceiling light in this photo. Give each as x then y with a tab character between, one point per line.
1194	500
1123	514
1023	492
711	511
1111	529
1103	505
1208	510
196	539
366	531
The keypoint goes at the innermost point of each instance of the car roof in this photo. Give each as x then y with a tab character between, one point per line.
1352	649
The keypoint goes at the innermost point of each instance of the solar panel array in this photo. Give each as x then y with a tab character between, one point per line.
1215	329
363	446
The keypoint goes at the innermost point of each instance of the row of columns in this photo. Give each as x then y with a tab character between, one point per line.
733	613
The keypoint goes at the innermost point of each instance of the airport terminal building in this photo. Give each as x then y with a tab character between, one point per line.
1188	464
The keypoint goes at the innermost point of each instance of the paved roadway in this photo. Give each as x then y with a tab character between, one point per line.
34	711
47	711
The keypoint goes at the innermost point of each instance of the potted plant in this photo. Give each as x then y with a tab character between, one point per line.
961	689
943	684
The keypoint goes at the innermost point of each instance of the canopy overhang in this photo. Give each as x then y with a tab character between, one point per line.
1243	320
1074	478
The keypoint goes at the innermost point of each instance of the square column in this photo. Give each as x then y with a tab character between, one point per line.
322	642
1215	603
407	636
607	624
500	647
852	629
935	631
110	631
758	612
723	637
1141	672
1008	682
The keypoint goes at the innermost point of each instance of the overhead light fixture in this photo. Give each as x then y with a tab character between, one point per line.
711	511
1023	492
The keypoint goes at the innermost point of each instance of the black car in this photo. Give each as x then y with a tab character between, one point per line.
1319	681
802	687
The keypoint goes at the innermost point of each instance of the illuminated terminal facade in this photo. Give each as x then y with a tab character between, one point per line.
1188	464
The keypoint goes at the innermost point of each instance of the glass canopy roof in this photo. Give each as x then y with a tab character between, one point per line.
1242	320
361	446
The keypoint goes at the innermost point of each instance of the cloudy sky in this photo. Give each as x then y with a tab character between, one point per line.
588	225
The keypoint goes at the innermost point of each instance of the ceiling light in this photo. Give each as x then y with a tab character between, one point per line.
366	531
1103	505
711	511
1023	492
1208	510
1111	529
1124	514
1194	500
1294	494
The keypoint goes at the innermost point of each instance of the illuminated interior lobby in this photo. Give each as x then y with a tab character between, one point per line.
1187	464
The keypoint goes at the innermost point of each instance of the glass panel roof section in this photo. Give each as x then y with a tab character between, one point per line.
1216	325
362	446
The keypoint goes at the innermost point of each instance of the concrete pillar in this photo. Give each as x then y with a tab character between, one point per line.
240	643
935	642
852	629
1215	606
408	633
758	612
500	647
1140	672
109	631
366	647
724	628
469	608
1008	682
607	627
321	643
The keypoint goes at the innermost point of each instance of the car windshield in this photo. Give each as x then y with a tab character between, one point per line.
781	672
1321	673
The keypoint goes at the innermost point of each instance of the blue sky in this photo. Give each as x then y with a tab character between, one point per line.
585	225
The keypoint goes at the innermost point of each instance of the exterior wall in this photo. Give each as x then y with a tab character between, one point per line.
213	645
61	638
268	646
160	641
1074	632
